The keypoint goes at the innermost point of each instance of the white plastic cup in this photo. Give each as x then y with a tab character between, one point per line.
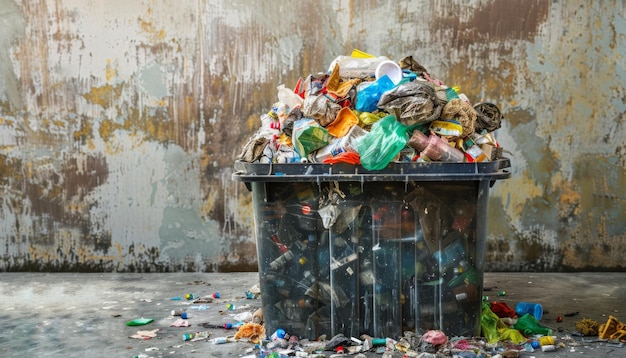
391	69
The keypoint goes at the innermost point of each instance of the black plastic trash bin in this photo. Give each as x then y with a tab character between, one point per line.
345	250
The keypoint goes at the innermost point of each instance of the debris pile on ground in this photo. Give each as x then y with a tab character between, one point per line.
505	332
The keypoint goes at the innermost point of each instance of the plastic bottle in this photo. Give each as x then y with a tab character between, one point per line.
529	325
188	336
196	335
220	340
279	333
379	342
177	312
338	146
439	149
282	260
200	307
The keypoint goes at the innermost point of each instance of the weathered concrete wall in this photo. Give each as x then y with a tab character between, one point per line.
120	120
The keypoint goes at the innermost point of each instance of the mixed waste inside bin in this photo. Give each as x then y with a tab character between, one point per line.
369	186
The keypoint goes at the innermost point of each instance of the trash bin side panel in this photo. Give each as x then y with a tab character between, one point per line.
371	257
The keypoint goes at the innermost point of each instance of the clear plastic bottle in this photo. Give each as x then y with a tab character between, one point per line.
220	340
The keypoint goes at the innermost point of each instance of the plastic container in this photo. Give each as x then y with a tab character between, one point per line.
535	309
391	69
357	67
402	248
439	149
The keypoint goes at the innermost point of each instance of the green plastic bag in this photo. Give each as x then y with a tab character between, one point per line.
308	136
378	147
529	325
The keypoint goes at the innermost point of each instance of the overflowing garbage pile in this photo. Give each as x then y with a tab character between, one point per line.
371	111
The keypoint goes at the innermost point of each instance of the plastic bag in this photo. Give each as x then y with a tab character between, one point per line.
366	119
288	97
378	147
412	103
490	324
367	98
253	150
494	329
328	204
347	157
529	325
308	136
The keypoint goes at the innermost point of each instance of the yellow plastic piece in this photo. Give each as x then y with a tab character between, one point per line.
343	122
360	54
510	334
619	335
609	328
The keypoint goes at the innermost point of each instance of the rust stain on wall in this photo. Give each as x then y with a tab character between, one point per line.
104	96
494	21
510	20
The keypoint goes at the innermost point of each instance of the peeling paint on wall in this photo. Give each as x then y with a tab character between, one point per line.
120	121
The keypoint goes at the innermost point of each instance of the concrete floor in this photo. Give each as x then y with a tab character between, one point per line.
78	315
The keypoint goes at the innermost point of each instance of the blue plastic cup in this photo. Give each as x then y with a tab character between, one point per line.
534	309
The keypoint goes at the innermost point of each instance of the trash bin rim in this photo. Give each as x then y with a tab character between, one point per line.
395	171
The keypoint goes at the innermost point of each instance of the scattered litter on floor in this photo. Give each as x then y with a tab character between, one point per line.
180	323
139	321
506	332
145	334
